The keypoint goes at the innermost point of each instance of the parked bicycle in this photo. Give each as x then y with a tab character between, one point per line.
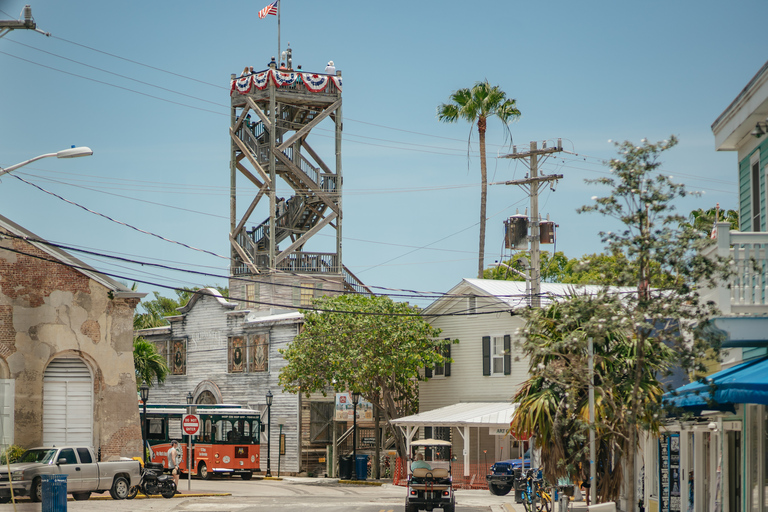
534	494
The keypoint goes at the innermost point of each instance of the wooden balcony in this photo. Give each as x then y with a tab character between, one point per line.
744	293
295	87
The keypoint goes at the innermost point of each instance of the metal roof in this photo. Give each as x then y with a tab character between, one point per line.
466	414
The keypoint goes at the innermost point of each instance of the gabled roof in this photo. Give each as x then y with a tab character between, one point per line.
67	259
511	294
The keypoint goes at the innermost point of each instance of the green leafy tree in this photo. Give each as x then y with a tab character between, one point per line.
148	363
370	345
704	220
476	105
599	269
653	320
555	398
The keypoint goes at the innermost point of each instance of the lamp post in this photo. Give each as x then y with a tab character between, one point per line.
144	389
190	400
355	400
269	429
72	152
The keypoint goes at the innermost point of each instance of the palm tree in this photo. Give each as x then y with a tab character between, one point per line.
148	362
704	220
477	105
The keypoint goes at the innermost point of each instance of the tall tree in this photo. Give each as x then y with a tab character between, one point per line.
369	345
149	364
476	105
642	200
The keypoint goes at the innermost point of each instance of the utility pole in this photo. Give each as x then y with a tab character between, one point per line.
28	23
531	184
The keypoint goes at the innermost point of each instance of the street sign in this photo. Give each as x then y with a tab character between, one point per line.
190	424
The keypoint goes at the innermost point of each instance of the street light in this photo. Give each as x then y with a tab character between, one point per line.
144	389
72	152
269	429
355	400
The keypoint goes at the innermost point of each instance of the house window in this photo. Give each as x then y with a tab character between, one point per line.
259	349
179	357
237	354
251	294
472	305
497	356
305	293
443	369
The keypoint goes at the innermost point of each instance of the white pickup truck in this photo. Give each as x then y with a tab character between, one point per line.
84	475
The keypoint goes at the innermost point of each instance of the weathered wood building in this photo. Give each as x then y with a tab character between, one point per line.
226	350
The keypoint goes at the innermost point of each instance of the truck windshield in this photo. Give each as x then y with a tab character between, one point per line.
44	456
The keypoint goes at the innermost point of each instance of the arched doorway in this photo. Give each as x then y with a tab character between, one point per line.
67	403
206	398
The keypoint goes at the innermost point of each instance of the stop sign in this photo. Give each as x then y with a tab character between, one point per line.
190	424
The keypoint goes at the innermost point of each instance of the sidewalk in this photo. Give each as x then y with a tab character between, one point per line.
576	506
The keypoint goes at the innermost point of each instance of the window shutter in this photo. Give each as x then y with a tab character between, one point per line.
318	290
296	296
507	354
428	372
486	355
447	353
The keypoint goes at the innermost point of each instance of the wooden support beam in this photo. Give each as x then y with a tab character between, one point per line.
241	119
316	157
249	156
260	113
308	127
311	185
249	211
250	176
303	238
246	259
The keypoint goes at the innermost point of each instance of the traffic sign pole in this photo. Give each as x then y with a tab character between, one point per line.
190	425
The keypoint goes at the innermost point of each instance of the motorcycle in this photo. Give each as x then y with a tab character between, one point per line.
153	481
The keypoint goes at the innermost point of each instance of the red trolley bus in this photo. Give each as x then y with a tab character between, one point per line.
227	443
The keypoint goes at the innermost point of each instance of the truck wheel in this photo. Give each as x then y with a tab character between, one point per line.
81	496
246	476
36	491
120	488
202	471
499	490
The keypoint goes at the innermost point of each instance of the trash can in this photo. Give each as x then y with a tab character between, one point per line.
361	467
345	467
54	493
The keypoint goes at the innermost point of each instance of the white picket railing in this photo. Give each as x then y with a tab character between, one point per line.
745	290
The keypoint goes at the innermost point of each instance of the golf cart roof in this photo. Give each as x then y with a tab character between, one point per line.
431	442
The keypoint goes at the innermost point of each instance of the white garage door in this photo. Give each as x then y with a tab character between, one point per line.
67	403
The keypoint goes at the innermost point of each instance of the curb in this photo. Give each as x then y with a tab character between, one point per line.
361	482
156	496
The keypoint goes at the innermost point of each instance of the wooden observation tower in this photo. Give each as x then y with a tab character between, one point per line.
273	113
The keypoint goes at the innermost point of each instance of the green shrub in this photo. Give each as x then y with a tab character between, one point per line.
14	453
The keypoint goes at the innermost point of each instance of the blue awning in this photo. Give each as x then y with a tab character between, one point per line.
745	383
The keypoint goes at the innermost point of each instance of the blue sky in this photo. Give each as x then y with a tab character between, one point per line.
586	72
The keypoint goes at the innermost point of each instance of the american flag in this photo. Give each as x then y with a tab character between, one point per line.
270	9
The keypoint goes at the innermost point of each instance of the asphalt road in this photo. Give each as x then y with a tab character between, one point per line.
289	494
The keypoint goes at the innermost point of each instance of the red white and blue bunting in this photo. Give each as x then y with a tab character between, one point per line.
312	81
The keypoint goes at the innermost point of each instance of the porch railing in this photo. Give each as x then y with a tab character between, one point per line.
745	290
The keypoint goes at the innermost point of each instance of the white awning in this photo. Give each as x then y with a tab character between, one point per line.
469	414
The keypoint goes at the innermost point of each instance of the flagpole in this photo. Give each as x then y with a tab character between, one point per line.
279	56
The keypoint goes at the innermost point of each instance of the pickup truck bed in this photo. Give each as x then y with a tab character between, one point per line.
84	475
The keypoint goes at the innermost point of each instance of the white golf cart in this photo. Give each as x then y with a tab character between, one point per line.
430	486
